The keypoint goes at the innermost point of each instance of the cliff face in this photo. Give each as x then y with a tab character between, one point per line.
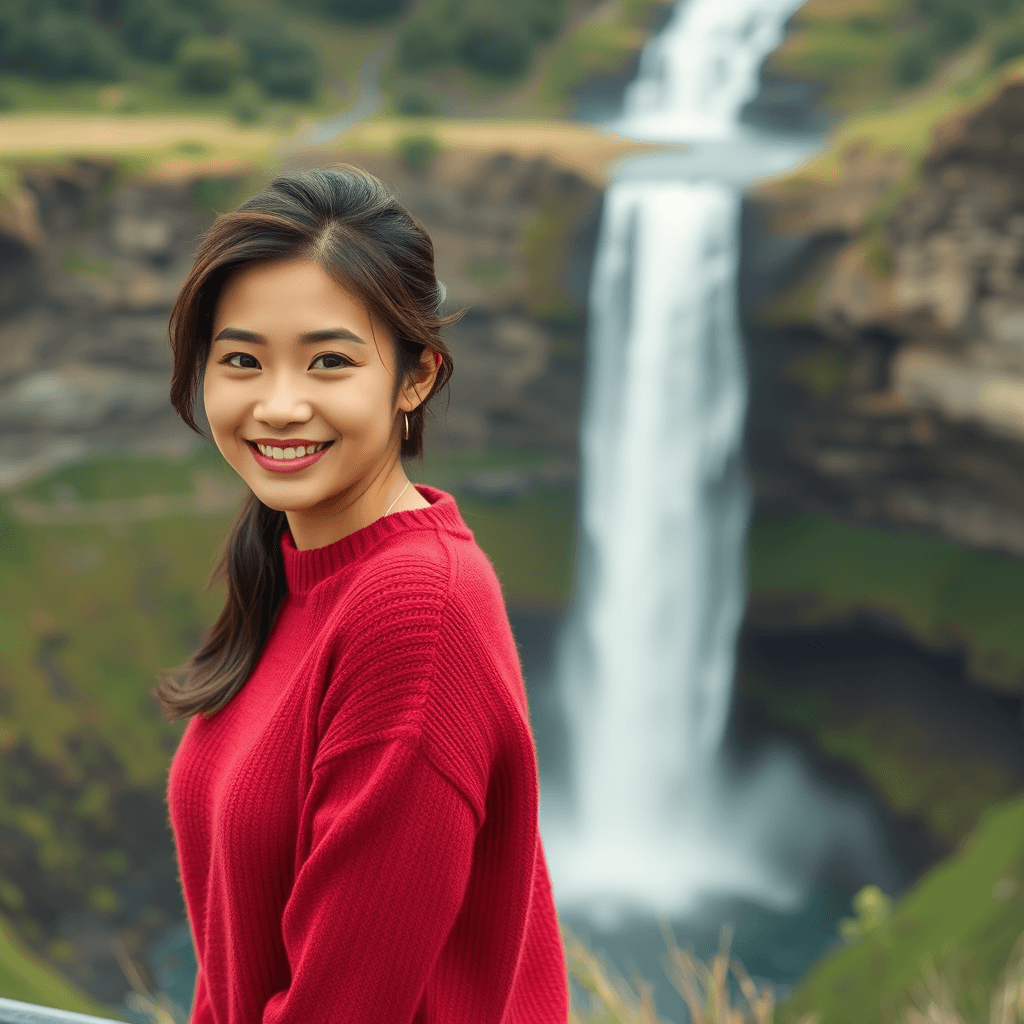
888	360
90	263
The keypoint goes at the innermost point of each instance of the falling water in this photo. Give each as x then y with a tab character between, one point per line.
647	654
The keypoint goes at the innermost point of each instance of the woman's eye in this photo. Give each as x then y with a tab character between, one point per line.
242	361
329	361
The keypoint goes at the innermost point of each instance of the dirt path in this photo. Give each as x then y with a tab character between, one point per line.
44	134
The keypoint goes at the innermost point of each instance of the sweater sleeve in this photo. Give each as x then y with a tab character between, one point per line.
388	849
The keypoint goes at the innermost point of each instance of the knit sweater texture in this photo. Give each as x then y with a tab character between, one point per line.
357	828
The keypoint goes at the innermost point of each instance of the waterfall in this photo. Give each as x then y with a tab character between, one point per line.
646	657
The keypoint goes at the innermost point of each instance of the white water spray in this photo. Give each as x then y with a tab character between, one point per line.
646	659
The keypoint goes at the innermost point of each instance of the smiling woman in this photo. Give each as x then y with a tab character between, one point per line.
354	801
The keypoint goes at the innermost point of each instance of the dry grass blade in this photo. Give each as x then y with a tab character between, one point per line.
620	1004
160	1010
706	990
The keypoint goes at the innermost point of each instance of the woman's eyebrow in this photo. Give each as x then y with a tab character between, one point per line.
306	338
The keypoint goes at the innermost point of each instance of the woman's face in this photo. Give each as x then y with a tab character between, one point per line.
298	390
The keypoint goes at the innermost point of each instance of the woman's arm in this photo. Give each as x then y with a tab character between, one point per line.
385	853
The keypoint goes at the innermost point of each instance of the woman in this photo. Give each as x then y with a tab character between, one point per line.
354	800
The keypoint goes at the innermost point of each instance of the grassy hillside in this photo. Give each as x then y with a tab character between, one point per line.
24	976
964	916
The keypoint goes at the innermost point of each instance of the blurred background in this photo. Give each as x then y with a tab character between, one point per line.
738	415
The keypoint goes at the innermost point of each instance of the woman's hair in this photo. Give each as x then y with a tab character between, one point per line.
351	225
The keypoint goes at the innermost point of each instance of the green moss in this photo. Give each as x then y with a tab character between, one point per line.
945	596
77	263
490	273
822	372
595	49
24	976
544	243
963	909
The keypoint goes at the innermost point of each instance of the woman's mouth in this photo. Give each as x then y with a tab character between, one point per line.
288	459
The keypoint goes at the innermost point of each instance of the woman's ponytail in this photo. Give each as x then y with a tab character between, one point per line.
253	568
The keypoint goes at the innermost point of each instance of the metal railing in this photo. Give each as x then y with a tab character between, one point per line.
14	1012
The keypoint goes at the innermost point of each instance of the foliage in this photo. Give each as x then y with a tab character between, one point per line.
209	44
934	994
872	916
50	44
965	915
24	976
417	152
416	100
495	48
492	39
358	10
209	64
283	65
863	50
1008	46
154	30
595	49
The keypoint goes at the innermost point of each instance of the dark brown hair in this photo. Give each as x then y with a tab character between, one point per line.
351	224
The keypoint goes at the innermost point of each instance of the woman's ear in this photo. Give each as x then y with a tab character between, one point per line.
420	381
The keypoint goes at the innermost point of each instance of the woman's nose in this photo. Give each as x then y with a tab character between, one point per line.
283	402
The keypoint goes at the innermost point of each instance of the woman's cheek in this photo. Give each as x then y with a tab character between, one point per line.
222	416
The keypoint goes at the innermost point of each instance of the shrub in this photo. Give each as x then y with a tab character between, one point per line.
544	18
247	103
155	31
423	45
913	63
57	47
284	66
209	64
1007	48
953	23
495	49
414	101
362	10
417	152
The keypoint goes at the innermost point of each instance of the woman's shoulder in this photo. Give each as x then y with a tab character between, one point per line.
425	647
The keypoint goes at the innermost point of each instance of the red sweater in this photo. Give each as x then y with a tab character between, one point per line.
357	829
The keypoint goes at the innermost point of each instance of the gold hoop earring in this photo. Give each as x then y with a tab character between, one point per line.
406	415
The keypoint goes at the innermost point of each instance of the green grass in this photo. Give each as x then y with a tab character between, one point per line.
124	601
947	597
24	976
962	912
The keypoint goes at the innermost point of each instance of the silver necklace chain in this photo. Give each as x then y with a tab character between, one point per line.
395	502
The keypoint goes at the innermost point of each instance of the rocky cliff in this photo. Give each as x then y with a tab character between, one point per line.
91	258
888	354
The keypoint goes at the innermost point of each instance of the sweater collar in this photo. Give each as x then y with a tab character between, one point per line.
305	569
